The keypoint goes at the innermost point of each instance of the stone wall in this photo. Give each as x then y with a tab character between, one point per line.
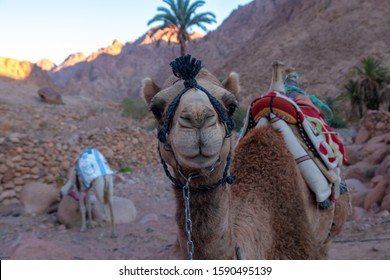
24	160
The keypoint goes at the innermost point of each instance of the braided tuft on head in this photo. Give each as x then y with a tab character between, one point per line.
186	68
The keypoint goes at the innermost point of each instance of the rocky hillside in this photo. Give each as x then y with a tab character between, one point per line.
322	39
24	72
116	75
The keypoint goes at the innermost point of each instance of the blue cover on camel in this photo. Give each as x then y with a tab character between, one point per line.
92	164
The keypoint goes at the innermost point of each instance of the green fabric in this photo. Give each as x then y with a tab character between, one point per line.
324	108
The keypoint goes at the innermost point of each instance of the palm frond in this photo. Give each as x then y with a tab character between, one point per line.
202	18
194	6
366	90
182	14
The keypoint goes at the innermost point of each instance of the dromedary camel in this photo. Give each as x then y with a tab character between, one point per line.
268	212
91	172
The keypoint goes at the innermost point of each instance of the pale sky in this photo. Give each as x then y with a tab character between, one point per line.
36	29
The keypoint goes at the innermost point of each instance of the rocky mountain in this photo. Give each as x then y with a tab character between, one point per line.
116	72
14	71
322	39
75	63
46	64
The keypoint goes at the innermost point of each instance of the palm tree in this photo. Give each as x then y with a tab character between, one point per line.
351	92
371	80
180	16
367	88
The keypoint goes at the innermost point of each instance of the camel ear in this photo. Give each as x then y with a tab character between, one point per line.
149	89
232	83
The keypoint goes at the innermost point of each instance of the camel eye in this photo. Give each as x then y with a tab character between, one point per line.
230	102
231	109
156	112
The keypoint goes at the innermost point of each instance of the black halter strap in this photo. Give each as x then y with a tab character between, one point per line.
186	69
225	179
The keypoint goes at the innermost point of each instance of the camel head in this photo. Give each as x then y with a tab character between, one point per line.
193	110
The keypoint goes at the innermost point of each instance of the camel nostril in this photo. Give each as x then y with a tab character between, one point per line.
189	120
197	119
210	119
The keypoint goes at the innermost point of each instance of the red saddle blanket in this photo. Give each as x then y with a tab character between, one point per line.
321	170
302	112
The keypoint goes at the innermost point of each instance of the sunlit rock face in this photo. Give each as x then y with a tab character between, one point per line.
46	64
166	35
15	69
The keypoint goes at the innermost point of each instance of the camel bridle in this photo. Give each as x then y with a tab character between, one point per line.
186	69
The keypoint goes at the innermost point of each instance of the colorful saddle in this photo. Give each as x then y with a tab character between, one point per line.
317	149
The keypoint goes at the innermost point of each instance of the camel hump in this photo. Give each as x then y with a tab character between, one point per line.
277	83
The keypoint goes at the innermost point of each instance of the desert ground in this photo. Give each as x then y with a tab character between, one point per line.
154	230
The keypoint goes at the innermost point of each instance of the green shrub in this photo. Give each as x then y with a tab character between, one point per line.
60	181
238	118
150	126
370	172
126	169
136	109
367	86
337	122
336	104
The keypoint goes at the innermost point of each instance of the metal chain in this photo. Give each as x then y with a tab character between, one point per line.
186	196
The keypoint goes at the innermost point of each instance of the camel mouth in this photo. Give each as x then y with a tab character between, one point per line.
197	149
199	162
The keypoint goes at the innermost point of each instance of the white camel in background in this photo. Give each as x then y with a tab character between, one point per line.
91	171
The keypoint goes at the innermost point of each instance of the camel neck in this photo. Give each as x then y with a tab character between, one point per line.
212	233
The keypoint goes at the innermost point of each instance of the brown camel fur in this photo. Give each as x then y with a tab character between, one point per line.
274	207
269	212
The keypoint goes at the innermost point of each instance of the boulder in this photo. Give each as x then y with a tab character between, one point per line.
375	180
363	135
378	139
375	195
68	212
386	139
377	156
385	205
372	147
359	171
50	95
358	213
36	249
354	153
37	198
124	211
384	167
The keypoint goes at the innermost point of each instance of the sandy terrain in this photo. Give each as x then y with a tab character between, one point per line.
154	230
